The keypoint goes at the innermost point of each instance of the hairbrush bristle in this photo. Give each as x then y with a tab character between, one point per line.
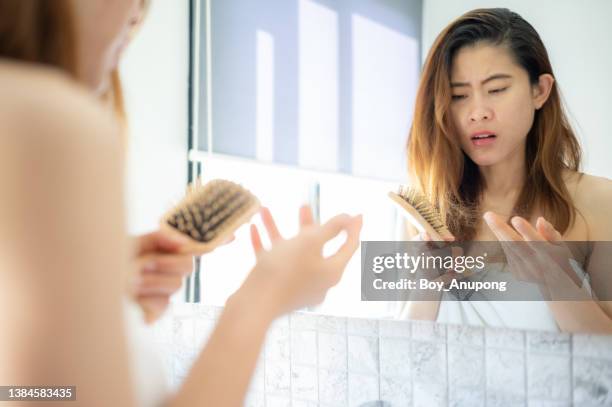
424	207
210	213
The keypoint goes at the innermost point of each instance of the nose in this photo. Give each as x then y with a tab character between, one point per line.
480	112
480	115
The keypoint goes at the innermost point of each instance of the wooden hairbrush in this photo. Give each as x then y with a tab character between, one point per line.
420	212
210	213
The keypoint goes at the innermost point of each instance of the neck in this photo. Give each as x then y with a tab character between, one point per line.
506	178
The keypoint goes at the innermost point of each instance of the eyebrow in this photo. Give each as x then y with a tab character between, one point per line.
490	78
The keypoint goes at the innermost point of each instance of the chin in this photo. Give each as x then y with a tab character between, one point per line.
484	160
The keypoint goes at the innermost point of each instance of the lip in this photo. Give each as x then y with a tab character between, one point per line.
483	141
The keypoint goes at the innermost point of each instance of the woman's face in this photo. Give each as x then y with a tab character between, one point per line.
493	103
102	30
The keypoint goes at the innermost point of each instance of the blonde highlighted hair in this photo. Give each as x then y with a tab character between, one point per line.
436	163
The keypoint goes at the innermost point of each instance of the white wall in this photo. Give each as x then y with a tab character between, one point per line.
577	35
155	75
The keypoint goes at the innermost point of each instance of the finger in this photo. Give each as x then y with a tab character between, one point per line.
153	306
548	231
502	231
181	264
270	225
255	239
159	284
528	232
229	240
333	227
306	217
161	240
341	258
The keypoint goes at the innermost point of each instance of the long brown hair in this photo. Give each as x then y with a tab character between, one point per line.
436	163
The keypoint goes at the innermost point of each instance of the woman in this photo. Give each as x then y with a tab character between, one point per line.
65	257
490	141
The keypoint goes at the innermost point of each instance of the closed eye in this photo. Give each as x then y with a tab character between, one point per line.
498	90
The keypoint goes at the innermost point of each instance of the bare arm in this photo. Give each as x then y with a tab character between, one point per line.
293	274
63	245
593	197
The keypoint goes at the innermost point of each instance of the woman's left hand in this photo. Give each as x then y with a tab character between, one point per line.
160	271
537	255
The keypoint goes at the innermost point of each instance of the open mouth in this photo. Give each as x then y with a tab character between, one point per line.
483	139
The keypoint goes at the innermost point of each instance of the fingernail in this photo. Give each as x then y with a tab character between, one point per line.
487	217
516	222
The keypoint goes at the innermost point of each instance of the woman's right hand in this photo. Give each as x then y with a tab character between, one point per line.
293	273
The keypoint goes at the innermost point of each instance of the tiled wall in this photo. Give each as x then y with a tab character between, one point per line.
317	360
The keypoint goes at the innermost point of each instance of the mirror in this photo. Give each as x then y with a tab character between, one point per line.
312	101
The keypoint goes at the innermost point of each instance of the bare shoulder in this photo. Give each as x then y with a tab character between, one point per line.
44	105
592	197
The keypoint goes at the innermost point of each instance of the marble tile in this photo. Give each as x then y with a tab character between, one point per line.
255	399
394	329
429	370
362	388
258	380
277	345
592	382
333	351
302	320
428	331
302	403
505	377
304	383
548	403
466	397
304	347
362	327
184	309
466	367
396	391
549	377
363	354
202	329
465	335
549	342
163	332
183	360
183	332
333	387
277	378
395	357
277	401
331	324
508	339
596	346
209	312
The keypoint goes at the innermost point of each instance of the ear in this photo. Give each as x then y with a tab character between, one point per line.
541	90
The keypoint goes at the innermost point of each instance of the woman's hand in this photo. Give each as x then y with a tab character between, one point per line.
160	271
293	273
537	255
